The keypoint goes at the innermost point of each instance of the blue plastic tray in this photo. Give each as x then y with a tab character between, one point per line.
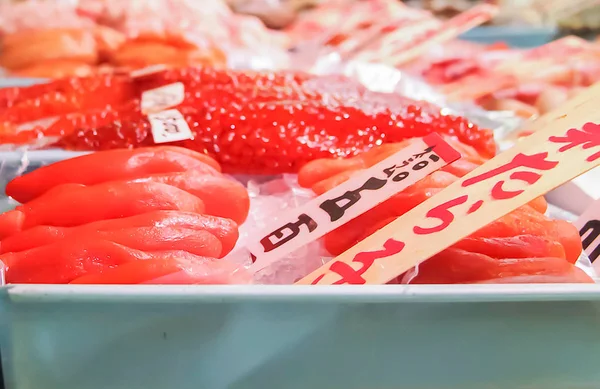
385	337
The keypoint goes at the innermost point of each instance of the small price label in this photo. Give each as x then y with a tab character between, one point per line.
169	126
165	97
588	225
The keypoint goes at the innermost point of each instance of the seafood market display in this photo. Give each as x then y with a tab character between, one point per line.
52	39
166	215
177	136
145	211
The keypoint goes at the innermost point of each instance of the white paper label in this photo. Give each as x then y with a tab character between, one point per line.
354	197
588	225
165	97
169	126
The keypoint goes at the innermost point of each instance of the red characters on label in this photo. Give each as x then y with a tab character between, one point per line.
476	205
441	212
536	161
366	259
588	137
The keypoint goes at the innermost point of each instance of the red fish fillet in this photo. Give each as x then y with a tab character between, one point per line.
64	261
455	266
527	220
224	229
221	196
110	165
73	204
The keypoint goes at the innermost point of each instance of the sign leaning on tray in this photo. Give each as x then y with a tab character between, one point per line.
365	190
568	146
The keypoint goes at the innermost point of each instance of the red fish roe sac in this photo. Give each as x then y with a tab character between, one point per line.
64	96
279	137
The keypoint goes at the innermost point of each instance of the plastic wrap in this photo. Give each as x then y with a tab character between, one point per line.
383	78
270	198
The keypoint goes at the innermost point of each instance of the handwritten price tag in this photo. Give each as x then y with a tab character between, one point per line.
169	126
351	199
159	99
588	225
566	148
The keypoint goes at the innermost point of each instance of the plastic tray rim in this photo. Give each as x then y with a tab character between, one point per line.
22	293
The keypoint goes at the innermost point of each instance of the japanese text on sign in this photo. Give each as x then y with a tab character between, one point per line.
352	198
